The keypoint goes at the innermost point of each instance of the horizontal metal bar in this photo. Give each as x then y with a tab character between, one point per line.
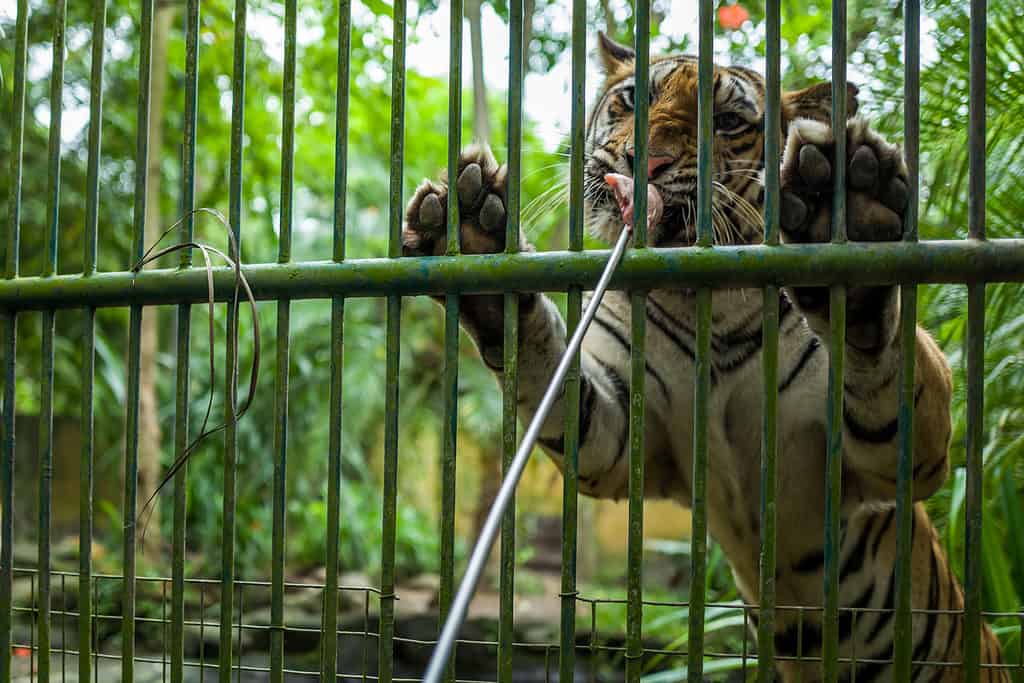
946	261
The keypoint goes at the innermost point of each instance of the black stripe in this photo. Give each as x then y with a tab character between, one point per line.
932	471
855	558
670	333
921	651
883	528
622	395
811	562
610	329
809	350
880	435
557	443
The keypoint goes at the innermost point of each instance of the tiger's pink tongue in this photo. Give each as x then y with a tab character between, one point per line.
622	187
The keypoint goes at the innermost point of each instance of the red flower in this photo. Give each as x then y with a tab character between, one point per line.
732	16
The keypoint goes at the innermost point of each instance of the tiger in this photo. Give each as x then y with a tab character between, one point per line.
877	196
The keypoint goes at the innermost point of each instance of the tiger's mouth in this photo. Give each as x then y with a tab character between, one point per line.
675	228
734	220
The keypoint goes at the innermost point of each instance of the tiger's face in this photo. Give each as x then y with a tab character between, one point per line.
737	161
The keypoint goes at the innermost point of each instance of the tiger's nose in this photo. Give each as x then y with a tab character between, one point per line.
655	164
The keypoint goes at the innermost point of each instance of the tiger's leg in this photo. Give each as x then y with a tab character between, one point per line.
481	191
876	200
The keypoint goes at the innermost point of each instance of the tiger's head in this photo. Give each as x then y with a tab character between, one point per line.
737	153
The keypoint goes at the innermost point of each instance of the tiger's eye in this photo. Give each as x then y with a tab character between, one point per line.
728	121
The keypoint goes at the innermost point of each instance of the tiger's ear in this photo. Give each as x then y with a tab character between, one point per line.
815	103
612	54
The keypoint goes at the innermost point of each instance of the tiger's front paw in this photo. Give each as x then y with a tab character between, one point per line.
876	202
876	184
480	189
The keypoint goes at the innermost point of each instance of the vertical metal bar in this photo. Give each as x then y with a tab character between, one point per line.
56	110
49	317
85	583
330	622
903	624
450	381
574	307
92	200
10	339
227	592
638	369
837	356
770	349
392	352
45	492
975	445
702	385
634	547
184	314
769	450
510	374
278	542
7	491
131	455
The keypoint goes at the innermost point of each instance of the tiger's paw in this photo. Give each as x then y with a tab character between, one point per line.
876	184
876	201
480	188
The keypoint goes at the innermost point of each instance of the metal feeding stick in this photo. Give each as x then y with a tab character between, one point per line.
457	615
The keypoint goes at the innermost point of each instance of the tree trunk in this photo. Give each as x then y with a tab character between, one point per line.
481	124
150	432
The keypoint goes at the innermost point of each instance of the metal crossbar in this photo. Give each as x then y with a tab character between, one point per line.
974	262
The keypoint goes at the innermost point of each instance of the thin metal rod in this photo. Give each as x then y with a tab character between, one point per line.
478	559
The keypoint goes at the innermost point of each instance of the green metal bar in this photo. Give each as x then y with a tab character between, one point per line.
705	123
699	536
181	440
903	623
330	649
770	349
635	541
131	475
227	592
330	621
837	356
7	491
574	308
86	586
49	317
386	643
641	120
45	493
833	476
930	262
56	110
131	453
638	302
92	194
279	542
510	373
85	508
450	381
975	445
507	544
702	384
769	452
390	490
184	323
14	201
